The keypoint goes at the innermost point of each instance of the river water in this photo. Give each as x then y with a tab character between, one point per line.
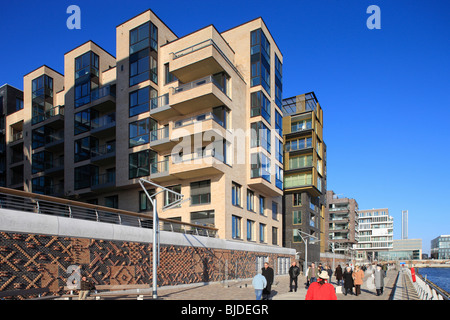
439	276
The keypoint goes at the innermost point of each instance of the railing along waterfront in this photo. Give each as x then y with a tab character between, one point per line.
427	290
41	204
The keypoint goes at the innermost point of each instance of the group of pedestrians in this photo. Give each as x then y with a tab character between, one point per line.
355	278
262	282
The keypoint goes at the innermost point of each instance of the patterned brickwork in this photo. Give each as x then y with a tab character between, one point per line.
35	261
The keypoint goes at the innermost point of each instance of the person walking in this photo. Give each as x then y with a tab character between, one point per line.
338	274
348	280
321	290
379	280
259	282
358	279
313	272
294	271
267	272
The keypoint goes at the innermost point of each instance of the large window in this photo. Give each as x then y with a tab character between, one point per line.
139	164
274	210
42	97
83	148
169	197
260	166
144	202
250	230
250	200
278	82
260	105
86	77
296	217
298	144
205	218
140	99
262	232
143	56
140	131
301	161
201	192
85	176
260	135
298	180
260	60
41	161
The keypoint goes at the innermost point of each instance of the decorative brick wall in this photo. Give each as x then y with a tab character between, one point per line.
29	261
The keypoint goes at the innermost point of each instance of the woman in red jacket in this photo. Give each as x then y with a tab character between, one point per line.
321	290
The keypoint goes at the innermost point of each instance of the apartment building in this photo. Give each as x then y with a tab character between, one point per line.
199	114
376	231
11	137
304	175
341	223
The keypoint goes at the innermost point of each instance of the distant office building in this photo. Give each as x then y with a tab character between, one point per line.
405	249
440	247
404	224
376	230
340	223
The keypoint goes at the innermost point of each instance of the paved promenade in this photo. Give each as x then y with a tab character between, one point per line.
242	290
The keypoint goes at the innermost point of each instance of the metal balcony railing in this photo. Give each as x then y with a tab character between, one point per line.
41	204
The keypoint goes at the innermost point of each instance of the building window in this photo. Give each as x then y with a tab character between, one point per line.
297	199
169	197
112	202
298	180
205	218
250	230
41	161
236	198
260	60
168	75
85	176
139	164
139	131
140	38
278	82
260	166
260	105
42	97
278	177
274	236
139	100
143	56
299	144
84	120
260	135
296	236
144	202
262	232
279	150
274	210
250	200
201	192
279	123
83	148
262	205
19	104
296	217
236	227
302	161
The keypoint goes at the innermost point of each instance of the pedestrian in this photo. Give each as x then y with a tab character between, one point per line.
330	272
259	282
348	280
313	272
358	278
321	290
338	274
379	280
267	272
85	287
294	271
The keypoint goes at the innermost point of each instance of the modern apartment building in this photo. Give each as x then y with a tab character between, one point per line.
199	114
340	223
11	137
376	231
304	174
440	247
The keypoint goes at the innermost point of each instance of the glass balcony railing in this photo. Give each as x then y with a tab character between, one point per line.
104	149
199	118
55	111
104	121
160	167
198	83
159	134
159	102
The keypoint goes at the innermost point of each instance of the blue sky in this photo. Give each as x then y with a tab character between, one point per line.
385	93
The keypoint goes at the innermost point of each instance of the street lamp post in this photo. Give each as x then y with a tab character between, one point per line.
305	240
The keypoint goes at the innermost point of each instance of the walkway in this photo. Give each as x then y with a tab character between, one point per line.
405	289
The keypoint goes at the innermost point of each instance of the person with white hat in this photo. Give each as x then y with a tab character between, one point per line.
321	290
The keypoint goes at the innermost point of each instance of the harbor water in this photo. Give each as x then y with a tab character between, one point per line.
439	276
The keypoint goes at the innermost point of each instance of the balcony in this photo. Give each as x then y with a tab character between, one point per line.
207	124
196	165
54	167
160	108
103	98
55	141
197	95
104	126
160	139
203	58
103	154
53	117
104	182
159	171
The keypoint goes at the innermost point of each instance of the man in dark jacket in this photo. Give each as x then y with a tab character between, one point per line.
267	272
294	271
